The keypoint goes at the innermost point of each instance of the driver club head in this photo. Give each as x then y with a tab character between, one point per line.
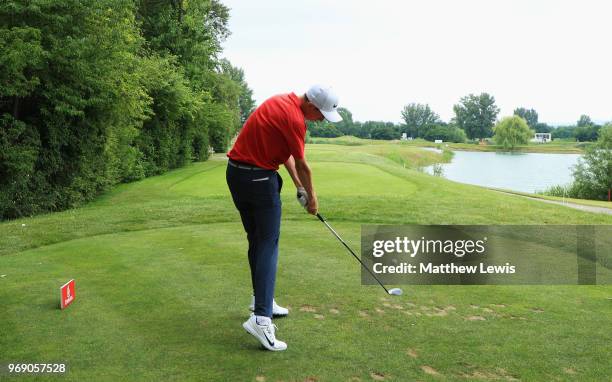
395	292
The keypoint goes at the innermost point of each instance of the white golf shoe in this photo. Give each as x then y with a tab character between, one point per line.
277	310
266	334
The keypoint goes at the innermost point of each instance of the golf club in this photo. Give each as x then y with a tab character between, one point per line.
393	291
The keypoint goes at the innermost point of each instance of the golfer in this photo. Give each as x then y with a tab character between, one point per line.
273	135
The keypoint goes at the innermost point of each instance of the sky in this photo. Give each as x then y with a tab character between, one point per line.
554	56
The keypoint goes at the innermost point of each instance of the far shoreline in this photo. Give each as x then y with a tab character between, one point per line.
554	147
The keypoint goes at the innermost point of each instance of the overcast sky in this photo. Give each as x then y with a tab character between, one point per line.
551	55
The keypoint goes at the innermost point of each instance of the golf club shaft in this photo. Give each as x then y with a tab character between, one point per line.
351	251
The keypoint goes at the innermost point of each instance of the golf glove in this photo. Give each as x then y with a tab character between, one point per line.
302	196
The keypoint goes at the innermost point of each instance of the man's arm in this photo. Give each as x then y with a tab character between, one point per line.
290	166
304	177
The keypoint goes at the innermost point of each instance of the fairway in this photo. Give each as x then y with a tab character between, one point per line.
346	179
162	285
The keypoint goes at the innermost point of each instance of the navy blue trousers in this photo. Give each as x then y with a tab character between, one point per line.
256	195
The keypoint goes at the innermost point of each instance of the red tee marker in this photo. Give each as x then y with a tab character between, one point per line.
68	294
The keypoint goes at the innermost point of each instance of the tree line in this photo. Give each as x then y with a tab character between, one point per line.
94	93
475	118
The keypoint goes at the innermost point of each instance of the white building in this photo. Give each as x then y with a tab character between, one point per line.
541	137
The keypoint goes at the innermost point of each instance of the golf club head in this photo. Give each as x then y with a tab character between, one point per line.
395	292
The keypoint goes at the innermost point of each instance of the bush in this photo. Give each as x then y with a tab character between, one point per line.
586	133
448	133
593	173
19	149
219	122
385	133
562	191
63	121
96	93
200	145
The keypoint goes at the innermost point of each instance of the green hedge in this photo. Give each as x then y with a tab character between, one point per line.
94	93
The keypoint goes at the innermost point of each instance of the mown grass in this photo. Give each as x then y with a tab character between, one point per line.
407	156
162	286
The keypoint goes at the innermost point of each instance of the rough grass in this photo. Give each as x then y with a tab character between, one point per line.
556	146
551	147
162	286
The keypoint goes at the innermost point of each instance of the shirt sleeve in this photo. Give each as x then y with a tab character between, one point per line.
295	133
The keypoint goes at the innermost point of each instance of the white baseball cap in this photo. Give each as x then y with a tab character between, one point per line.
326	100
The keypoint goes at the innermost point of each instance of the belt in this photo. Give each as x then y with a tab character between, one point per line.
245	166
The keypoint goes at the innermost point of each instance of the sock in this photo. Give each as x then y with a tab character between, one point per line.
263	320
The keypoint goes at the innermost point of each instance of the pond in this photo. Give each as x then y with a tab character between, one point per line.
526	172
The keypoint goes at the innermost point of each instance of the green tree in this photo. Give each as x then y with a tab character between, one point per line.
593	173
323	129
511	132
418	119
70	92
245	99
541	127
586	130
165	139
588	133
219	120
529	115
384	131
20	63
476	115
447	133
584	121
563	132
192	32
97	92
360	130
346	126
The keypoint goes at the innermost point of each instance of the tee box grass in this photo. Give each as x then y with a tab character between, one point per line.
163	285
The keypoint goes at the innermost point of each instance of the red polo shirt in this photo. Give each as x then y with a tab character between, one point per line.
275	130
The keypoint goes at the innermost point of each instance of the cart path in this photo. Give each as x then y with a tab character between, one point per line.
582	207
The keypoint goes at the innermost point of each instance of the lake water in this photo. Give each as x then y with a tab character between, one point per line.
527	172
